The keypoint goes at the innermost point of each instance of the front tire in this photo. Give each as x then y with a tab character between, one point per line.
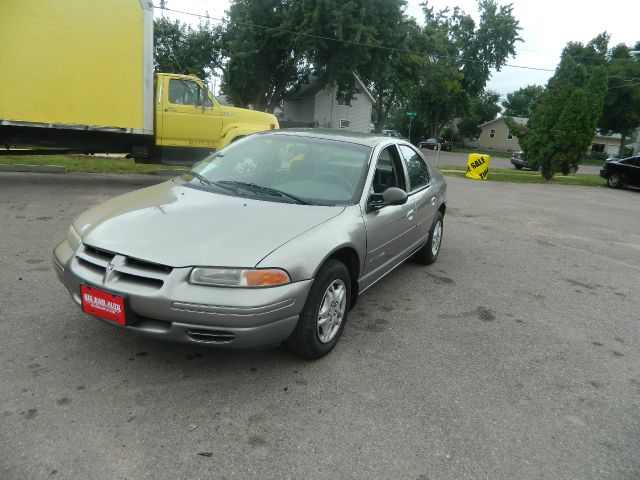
518	167
429	252
324	314
614	180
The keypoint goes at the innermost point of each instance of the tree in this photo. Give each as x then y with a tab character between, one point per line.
518	103
564	118
621	110
179	48
461	56
482	108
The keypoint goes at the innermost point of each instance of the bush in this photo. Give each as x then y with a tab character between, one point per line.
597	156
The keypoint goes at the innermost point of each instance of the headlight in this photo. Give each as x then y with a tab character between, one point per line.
239	277
73	238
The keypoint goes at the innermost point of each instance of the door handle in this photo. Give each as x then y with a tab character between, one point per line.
169	109
433	200
410	214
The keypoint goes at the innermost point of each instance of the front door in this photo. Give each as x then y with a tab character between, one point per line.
391	230
186	114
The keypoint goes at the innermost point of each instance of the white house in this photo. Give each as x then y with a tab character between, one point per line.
314	104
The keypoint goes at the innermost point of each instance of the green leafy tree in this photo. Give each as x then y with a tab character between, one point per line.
621	110
518	103
179	48
461	55
564	118
482	108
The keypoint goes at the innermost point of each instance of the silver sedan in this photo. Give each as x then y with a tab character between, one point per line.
270	240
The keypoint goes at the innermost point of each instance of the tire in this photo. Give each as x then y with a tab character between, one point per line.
614	180
429	252
313	338
518	167
573	169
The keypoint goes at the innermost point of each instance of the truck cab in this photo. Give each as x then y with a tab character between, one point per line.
188	116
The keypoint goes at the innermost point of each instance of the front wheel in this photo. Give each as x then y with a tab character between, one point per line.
428	254
324	314
573	169
518	167
614	181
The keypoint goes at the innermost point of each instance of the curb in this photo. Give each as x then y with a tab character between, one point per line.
33	168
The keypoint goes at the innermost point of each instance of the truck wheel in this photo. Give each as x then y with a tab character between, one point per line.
324	314
573	169
428	254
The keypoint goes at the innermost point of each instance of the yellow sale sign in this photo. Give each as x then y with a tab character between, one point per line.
478	166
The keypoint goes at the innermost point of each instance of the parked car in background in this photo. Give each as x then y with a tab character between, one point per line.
518	161
621	172
271	239
432	144
392	133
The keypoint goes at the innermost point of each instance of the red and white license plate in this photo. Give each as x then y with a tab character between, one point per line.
102	304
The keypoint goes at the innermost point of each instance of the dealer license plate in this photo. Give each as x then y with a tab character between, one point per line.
102	304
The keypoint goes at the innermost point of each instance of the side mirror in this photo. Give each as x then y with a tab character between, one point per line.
391	196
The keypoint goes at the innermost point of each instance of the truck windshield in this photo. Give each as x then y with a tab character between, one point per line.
285	168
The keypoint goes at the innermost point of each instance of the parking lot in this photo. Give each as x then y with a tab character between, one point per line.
515	356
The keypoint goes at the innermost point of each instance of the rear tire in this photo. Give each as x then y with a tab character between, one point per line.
429	252
573	169
614	180
518	167
325	312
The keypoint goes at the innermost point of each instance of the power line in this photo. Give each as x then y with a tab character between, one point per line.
361	44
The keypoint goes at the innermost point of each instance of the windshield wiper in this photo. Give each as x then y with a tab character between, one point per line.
255	188
203	180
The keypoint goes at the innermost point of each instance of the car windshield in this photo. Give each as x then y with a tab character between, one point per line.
285	168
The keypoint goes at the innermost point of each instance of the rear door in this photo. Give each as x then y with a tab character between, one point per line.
420	190
186	114
391	230
634	172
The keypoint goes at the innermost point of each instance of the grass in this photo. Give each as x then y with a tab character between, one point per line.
511	176
85	163
482	152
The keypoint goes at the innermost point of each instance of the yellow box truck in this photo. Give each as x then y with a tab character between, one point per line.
78	75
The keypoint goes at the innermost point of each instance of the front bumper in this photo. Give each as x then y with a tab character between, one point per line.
161	303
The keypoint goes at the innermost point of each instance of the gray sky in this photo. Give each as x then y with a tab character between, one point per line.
547	25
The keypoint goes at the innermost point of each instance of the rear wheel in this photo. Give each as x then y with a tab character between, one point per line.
614	180
573	169
518	167
325	312
428	254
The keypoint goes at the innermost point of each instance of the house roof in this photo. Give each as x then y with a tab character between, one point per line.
315	85
518	120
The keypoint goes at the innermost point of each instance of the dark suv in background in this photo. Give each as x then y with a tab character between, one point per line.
518	161
622	172
432	144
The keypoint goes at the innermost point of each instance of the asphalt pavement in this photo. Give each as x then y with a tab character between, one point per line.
515	356
455	159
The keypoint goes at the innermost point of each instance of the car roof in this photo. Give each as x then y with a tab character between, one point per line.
366	139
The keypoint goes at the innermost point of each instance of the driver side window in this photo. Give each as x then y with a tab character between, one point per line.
388	171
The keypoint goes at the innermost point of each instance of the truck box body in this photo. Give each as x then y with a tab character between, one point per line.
77	64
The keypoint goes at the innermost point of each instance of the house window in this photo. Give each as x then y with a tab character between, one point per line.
345	123
509	135
492	133
344	100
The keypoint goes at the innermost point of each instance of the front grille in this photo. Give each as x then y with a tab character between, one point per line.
211	336
98	254
127	271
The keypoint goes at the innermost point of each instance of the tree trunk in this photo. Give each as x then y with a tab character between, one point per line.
622	140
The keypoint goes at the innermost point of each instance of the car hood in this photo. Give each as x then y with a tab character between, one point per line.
180	226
